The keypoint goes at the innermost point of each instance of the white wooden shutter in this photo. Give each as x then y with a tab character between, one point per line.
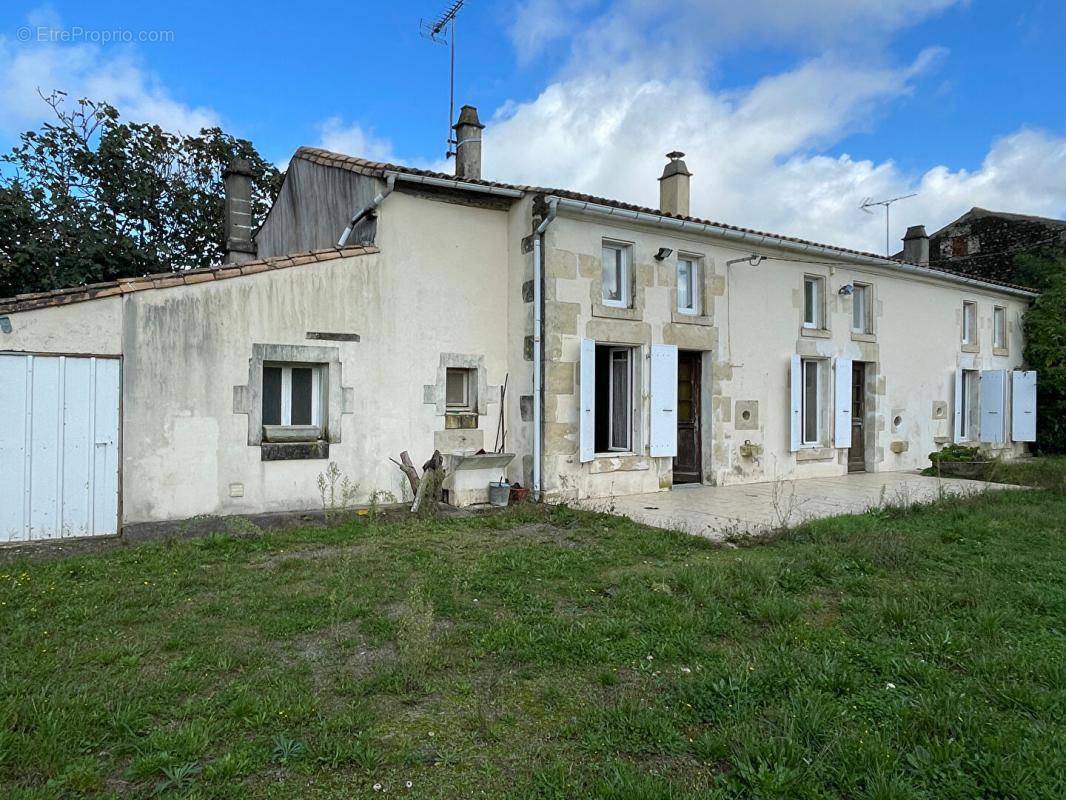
993	405
1023	406
59	438
796	394
587	423
957	428
842	407
663	400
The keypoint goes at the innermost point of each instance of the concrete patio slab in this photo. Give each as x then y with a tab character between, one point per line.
716	512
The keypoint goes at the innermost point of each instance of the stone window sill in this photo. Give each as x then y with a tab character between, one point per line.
275	434
294	451
613	312
856	336
681	318
816	454
816	333
1000	351
971	348
618	462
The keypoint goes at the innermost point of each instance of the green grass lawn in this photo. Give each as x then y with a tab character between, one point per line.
549	654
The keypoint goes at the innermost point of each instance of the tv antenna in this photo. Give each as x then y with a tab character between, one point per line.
869	202
442	31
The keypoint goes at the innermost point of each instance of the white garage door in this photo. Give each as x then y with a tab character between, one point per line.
59	422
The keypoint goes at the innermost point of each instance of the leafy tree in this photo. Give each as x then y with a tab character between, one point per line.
1045	351
1039	268
90	198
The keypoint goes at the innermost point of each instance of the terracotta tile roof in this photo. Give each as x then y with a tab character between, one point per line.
165	280
379	169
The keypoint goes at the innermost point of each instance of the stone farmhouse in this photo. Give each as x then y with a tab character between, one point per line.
591	348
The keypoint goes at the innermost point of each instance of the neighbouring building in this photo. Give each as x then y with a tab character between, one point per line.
985	244
611	349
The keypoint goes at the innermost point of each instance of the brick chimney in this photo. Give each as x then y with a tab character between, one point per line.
673	185
468	144
237	180
916	246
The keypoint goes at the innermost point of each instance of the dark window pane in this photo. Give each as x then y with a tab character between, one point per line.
620	400
301	396
271	395
455	387
810	401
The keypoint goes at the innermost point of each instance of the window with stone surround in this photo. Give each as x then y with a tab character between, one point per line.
969	323
999	328
617	274
860	308
688	285
460	390
813	301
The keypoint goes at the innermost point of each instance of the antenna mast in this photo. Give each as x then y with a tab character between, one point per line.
442	31
869	202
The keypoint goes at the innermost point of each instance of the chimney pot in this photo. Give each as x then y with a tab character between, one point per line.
916	246
468	144
237	213
674	185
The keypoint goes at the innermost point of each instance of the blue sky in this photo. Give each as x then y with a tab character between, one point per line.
790	116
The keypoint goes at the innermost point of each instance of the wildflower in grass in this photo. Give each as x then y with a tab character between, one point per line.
409	784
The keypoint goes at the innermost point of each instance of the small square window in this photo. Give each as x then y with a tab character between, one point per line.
813	301
460	389
292	395
969	323
688	285
860	308
617	260
999	328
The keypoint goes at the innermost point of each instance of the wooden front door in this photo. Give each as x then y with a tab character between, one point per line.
857	451
687	460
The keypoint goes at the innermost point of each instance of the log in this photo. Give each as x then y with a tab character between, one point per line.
429	491
408	468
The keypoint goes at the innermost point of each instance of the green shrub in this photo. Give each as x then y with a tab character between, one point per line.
955	453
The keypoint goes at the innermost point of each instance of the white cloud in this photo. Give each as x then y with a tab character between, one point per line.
756	155
85	70
701	30
335	135
761	155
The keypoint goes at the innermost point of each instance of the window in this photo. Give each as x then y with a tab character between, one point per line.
688	285
460	390
616	274
614	399
812	401
969	323
969	405
860	308
999	328
813	300
292	395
